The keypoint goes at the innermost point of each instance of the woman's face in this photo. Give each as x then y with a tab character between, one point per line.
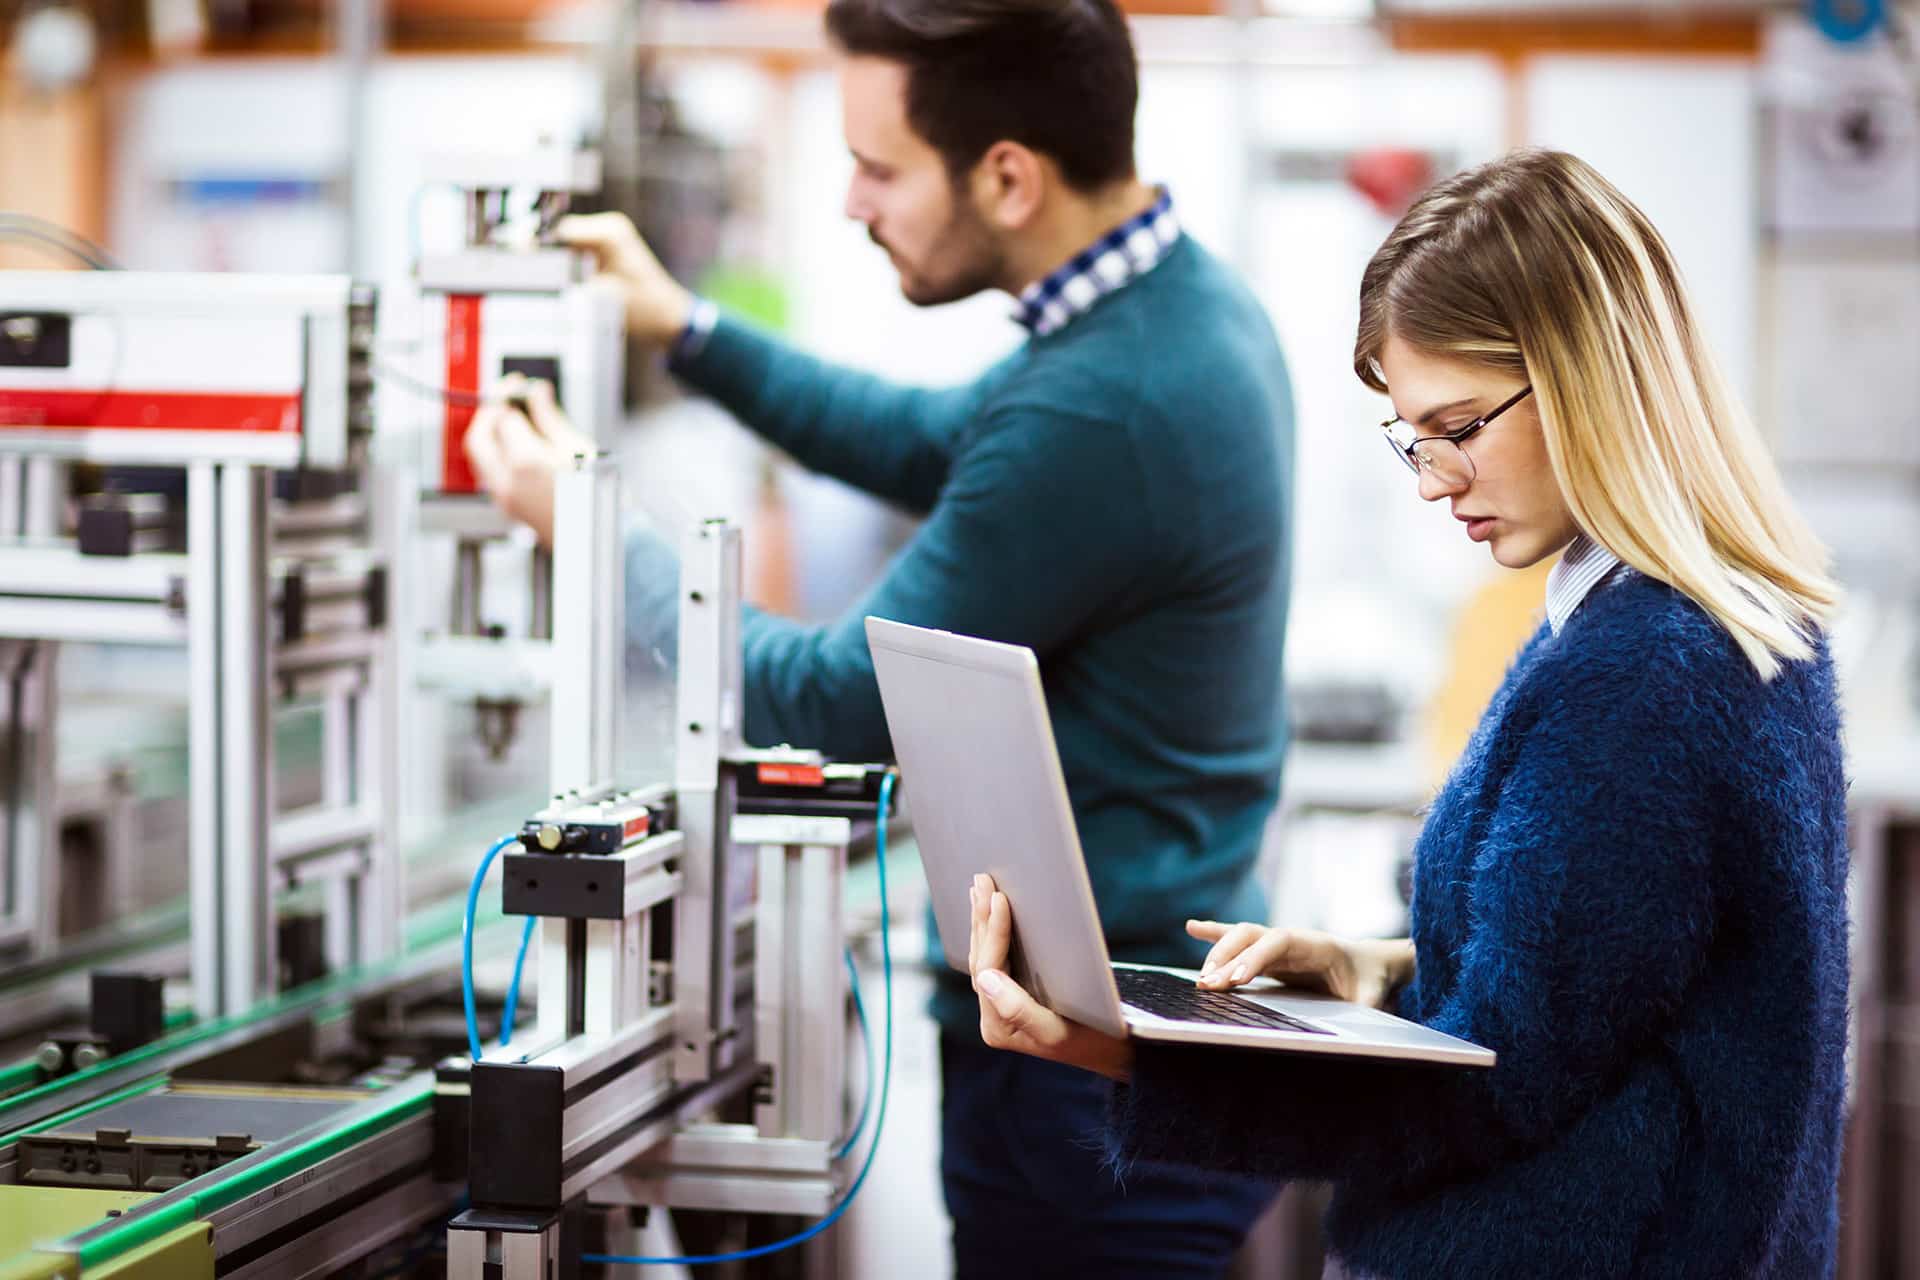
1512	502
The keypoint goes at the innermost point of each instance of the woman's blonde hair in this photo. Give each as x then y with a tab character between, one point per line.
1536	265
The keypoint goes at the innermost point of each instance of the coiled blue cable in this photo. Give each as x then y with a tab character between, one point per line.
866	1043
466	943
513	988
880	1120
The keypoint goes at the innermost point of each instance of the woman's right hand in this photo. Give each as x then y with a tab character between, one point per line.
1362	970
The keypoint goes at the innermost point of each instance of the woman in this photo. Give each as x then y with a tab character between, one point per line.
1632	887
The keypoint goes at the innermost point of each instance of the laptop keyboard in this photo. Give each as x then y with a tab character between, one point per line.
1171	996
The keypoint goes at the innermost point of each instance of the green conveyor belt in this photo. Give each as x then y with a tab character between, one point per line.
101	1243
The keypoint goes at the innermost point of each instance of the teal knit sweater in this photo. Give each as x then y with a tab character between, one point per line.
1116	497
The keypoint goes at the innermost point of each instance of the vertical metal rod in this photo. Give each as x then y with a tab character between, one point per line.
540	583
377	726
576	977
40	890
44	497
336	745
709	701
772	983
203	738
13	892
1243	237
362	25
246	742
818	995
13	483
467	585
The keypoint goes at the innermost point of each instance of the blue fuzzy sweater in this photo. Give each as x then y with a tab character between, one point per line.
1632	889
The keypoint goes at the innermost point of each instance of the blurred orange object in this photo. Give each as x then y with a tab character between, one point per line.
52	164
491	11
1390	177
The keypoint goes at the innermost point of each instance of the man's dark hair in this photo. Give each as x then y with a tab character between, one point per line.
1057	76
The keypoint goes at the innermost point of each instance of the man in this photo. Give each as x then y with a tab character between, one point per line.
1114	495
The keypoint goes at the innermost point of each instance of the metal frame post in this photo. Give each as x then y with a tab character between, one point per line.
800	989
204	835
246	742
709	732
588	614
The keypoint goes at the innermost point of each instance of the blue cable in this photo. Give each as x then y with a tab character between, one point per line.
880	1121
466	942
1847	20
513	988
866	1042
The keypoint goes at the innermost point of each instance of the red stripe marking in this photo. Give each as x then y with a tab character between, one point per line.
79	410
793	775
463	378
638	826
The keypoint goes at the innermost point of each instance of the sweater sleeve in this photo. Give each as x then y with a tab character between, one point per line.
891	441
1593	907
1041	528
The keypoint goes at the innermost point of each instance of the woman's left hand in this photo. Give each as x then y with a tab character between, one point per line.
1012	1019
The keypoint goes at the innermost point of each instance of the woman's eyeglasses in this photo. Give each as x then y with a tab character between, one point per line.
1441	455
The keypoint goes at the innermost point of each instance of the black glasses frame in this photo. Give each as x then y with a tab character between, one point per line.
1407	453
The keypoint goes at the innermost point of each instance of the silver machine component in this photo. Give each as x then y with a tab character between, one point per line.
688	1048
616	1105
505	301
229	379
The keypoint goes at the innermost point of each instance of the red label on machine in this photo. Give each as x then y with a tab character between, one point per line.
793	775
463	391
637	827
117	410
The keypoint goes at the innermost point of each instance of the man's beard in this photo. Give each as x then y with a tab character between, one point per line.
962	261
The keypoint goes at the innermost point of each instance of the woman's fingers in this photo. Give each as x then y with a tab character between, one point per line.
1012	1019
991	936
1230	945
1273	949
1207	930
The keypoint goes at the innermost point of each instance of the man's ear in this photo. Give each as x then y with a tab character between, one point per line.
1010	185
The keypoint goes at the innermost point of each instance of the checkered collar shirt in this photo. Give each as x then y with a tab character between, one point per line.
1121	256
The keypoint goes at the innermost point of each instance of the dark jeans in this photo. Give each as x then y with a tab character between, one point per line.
1031	1193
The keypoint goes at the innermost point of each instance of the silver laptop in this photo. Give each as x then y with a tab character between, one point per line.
975	746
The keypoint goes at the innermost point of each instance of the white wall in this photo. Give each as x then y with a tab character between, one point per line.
1678	137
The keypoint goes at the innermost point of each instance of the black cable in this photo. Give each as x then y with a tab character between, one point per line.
33	239
447	395
26	226
46	226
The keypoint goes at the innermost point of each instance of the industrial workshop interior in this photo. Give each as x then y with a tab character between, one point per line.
959	639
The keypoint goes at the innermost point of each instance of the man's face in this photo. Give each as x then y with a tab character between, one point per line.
901	192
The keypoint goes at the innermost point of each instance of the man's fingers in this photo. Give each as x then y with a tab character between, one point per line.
483	447
518	442
552	422
602	234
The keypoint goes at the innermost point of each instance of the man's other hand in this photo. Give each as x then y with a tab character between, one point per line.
515	454
658	308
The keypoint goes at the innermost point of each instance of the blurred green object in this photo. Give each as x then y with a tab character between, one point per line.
750	293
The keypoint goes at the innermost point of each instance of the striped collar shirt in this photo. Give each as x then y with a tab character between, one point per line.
1583	566
1110	263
